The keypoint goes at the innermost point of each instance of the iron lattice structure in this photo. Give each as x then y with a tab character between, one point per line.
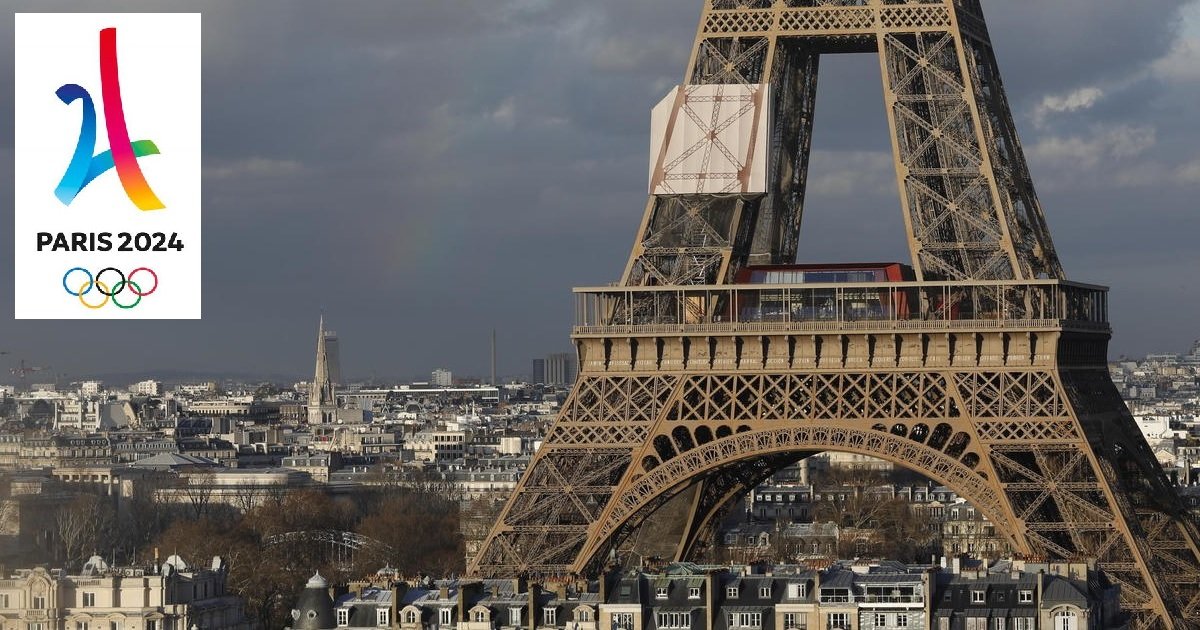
987	374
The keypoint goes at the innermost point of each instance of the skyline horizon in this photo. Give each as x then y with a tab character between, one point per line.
278	377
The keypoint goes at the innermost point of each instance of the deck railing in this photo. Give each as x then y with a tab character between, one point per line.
782	308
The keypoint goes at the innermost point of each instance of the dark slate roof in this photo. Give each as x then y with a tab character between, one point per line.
1062	590
626	591
837	579
1023	580
314	607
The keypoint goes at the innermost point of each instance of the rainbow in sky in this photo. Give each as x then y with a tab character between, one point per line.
122	154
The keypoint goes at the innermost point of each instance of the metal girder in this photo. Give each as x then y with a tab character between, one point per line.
1012	441
968	201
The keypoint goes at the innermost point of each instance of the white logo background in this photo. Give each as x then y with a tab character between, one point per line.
159	60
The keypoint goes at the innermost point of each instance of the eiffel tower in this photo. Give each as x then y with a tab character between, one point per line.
980	366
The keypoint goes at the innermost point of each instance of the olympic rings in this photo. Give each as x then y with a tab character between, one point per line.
109	291
121	283
136	290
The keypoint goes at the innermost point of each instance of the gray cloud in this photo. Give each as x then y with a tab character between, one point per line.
427	170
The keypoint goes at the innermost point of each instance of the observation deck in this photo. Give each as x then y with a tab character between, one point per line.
824	308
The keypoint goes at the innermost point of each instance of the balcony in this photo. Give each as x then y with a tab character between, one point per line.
1038	305
891	599
904	601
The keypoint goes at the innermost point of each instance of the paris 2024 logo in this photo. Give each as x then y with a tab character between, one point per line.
122	154
86	165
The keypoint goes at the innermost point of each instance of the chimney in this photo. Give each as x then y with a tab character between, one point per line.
534	592
1040	581
399	588
957	564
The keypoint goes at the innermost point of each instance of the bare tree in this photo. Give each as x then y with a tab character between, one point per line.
10	510
198	490
144	515
81	525
246	497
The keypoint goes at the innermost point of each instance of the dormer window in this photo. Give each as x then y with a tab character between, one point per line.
514	616
382	617
480	616
764	591
978	597
694	592
731	592
410	617
343	617
660	592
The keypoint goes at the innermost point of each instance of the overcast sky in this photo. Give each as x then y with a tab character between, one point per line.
426	170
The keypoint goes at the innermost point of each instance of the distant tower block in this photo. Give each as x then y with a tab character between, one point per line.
716	361
322	401
441	378
333	358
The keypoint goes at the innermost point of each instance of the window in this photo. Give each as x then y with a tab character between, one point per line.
410	617
764	591
81	625
977	623
977	597
674	620
745	620
660	592
693	592
583	614
443	616
39	602
549	616
731	592
1025	597
4	601
1065	620
1023	623
382	617
151	624
622	621
89	599
796	591
789	621
998	623
37	626
514	616
480	616
880	620
837	620
902	620
343	617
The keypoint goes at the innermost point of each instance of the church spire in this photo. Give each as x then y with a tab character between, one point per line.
322	404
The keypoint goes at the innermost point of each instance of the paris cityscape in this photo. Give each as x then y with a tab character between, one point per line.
725	437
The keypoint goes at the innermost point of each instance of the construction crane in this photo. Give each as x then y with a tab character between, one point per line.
22	370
